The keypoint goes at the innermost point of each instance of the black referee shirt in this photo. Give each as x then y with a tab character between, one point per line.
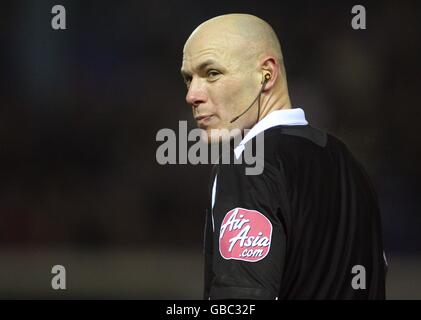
303	229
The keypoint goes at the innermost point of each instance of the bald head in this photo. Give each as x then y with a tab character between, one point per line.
249	35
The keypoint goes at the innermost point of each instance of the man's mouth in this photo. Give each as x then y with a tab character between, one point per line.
203	118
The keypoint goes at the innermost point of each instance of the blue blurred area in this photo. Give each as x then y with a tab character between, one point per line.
80	108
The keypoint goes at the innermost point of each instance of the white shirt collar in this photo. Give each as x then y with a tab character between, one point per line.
288	117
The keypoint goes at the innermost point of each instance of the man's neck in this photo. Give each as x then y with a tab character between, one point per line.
280	103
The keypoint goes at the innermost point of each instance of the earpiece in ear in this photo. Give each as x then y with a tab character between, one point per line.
267	77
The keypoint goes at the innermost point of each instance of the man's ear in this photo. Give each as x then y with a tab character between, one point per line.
270	66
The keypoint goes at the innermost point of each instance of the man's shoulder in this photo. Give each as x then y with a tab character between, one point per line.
299	134
282	141
299	143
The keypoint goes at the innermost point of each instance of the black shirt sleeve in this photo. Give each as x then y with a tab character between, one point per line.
246	234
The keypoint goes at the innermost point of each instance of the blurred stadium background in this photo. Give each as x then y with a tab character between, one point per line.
80	108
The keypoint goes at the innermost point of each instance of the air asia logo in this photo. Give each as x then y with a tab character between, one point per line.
245	235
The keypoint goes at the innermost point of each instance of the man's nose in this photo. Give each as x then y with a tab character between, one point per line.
196	94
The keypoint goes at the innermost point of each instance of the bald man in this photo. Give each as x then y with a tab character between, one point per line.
308	226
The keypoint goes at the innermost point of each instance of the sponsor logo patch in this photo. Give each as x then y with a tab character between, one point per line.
245	235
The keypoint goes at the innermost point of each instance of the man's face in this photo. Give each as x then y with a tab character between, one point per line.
222	82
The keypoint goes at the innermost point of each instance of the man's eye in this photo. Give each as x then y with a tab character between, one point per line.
213	73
